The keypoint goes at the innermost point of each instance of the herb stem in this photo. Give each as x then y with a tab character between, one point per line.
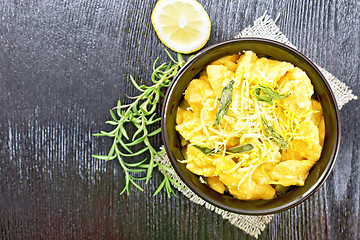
141	114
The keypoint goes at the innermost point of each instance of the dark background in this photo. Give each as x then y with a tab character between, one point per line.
64	64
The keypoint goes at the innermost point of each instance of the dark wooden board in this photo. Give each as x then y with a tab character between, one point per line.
64	64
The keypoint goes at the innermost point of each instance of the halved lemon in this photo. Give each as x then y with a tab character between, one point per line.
182	25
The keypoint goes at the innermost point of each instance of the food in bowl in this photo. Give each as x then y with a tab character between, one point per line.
251	126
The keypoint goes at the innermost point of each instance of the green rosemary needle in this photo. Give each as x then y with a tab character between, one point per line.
141	113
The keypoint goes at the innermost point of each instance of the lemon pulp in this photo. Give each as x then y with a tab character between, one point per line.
182	25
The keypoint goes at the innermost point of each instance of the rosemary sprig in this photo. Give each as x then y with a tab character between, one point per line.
141	113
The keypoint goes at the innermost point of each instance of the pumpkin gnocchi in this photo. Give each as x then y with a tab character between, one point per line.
250	125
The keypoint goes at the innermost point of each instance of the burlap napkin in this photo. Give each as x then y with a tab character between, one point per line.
263	27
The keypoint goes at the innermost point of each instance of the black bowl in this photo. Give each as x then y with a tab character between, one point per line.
273	50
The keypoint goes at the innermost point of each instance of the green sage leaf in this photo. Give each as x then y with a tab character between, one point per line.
275	137
206	150
268	94
242	148
225	100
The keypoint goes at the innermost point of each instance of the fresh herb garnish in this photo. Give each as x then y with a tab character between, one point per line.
275	137
268	94
225	100
141	113
238	149
206	150
242	148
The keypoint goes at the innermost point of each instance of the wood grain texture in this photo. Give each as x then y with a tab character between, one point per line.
64	64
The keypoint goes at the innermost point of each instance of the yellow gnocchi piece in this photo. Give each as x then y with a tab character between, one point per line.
218	76
189	125
306	144
242	186
209	110
216	184
227	61
197	92
199	163
321	127
291	172
298	85
261	173
270	71
245	64
317	112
